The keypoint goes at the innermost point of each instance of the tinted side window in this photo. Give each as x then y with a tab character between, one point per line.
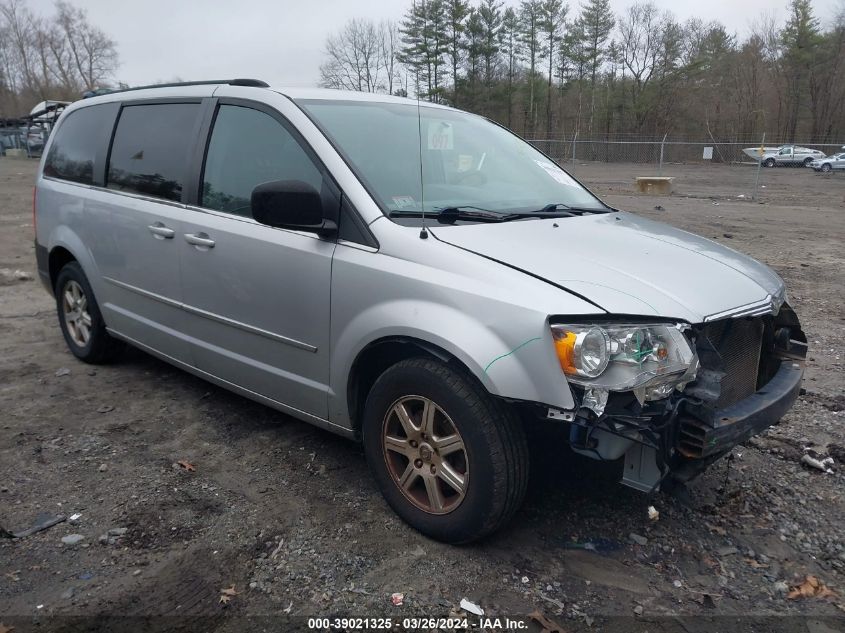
149	154
247	148
76	142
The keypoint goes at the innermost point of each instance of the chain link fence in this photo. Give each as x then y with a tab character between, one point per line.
660	152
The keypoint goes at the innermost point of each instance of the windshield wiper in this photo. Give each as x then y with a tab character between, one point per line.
450	215
555	206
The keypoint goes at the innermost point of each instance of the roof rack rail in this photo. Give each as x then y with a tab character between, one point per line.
253	83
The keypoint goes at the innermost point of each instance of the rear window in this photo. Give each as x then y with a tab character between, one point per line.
149	153
75	144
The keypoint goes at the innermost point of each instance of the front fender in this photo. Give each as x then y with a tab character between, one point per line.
512	356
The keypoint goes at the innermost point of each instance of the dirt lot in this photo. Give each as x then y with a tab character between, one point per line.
288	514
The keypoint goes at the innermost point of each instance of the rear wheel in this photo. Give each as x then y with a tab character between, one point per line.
80	318
769	162
807	161
450	459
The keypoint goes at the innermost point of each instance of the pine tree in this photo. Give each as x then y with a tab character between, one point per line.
595	24
456	15
552	16
529	17
799	39
511	49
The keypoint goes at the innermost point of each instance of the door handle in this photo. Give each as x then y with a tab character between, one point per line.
161	232
199	239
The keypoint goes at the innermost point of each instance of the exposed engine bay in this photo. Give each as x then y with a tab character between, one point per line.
746	375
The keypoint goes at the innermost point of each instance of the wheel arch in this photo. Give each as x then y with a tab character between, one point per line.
380	354
58	258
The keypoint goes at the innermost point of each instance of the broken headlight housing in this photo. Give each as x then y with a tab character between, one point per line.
649	359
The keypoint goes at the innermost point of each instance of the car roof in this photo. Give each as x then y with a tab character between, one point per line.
207	89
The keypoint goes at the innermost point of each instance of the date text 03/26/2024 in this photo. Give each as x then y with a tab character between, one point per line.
419	623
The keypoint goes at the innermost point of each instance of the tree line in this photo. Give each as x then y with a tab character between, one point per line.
50	57
551	70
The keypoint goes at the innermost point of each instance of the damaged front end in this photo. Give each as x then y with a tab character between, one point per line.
742	374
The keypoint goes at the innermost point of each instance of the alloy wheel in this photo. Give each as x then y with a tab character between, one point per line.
75	313
425	454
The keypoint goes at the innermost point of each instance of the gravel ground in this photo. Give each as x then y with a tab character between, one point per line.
288	515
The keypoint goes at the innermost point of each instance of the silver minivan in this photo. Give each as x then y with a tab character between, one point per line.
409	275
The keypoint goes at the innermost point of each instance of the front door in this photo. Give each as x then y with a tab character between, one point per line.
257	298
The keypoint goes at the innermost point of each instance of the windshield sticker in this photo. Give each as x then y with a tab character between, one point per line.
402	202
441	136
557	173
465	162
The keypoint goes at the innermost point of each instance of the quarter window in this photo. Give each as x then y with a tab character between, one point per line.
149	154
247	148
74	147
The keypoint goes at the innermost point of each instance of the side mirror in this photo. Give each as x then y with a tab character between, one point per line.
290	204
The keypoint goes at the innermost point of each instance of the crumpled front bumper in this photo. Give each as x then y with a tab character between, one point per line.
748	417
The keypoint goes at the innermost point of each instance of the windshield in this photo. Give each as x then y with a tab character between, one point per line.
467	161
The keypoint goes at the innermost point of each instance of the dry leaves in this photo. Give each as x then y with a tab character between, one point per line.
812	587
186	465
6	629
756	564
546	625
715	529
226	595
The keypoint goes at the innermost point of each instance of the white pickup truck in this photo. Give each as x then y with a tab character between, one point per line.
783	155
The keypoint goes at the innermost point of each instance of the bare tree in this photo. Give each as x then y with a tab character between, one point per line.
362	56
50	57
94	54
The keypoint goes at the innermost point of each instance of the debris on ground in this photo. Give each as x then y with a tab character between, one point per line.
186	465
547	625
595	545
471	607
397	599
105	408
62	371
41	523
73	518
811	587
226	595
6	629
653	514
638	539
73	539
823	465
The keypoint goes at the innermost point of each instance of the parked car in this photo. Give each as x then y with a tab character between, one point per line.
828	163
789	155
411	276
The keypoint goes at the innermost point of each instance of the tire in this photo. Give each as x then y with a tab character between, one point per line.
769	162
492	458
807	161
826	167
80	318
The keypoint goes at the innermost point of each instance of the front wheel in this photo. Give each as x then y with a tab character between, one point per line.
826	167
769	162
449	459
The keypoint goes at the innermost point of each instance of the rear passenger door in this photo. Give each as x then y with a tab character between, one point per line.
135	221
257	298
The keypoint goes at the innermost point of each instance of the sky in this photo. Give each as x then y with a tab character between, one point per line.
281	41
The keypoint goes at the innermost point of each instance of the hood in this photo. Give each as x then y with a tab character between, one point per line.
624	264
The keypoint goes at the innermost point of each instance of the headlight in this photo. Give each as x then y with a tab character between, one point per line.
625	356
